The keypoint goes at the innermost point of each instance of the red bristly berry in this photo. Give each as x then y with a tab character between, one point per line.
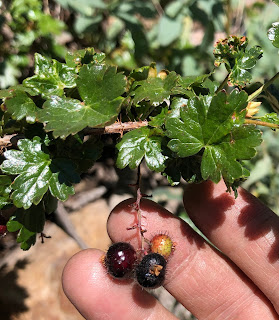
120	259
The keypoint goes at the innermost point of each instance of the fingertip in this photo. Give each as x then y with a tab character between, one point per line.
83	269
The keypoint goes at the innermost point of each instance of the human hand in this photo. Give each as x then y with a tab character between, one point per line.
241	283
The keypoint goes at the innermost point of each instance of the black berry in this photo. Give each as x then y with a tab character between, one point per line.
150	272
120	259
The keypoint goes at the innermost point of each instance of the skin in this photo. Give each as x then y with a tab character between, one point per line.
239	283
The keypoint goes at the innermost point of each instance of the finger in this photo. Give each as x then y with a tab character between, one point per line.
242	228
98	296
202	279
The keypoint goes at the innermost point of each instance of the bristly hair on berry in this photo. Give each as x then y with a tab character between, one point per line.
162	243
120	260
150	272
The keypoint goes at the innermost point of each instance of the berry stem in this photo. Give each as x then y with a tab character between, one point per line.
136	206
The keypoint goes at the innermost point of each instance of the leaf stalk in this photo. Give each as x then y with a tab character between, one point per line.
223	84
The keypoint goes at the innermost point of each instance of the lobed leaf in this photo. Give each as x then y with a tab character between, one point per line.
37	173
51	77
244	61
155	90
270	118
215	132
21	106
100	87
140	143
28	223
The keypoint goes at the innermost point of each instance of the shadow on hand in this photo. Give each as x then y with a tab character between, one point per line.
258	223
216	206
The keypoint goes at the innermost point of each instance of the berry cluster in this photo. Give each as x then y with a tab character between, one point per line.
122	261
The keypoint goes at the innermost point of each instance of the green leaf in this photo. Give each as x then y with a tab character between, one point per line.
48	25
270	118
155	90
37	173
5	189
140	143
101	88
26	237
140	73
159	119
5	93
184	127
32	219
51	77
223	113
245	61
215	132
21	106
81	57
28	222
221	160
187	168
212	86
187	82
169	30
174	8
57	109
82	154
49	203
273	34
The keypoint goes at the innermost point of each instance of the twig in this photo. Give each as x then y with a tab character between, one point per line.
262	123
85	197
118	127
66	224
158	7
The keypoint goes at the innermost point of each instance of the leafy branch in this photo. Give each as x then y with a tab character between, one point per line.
190	128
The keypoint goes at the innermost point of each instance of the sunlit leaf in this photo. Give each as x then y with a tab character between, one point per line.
36	173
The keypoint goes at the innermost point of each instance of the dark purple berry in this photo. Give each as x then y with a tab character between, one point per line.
150	272
120	259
